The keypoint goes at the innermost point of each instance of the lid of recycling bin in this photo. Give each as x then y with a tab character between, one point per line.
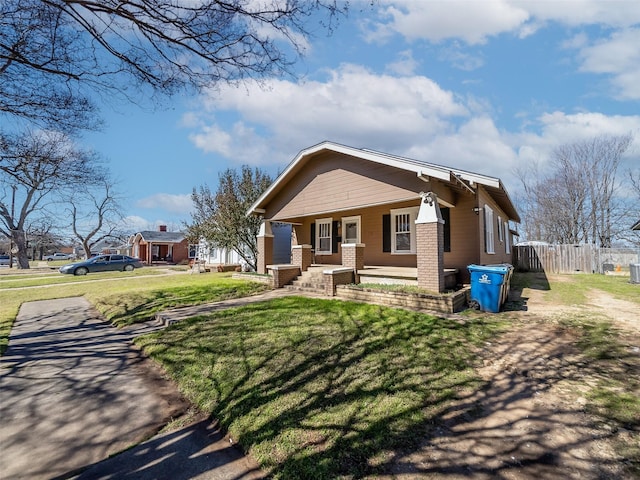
503	268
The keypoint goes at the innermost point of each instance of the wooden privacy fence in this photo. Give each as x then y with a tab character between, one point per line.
573	258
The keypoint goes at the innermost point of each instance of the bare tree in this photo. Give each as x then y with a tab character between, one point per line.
96	214
33	167
54	53
575	200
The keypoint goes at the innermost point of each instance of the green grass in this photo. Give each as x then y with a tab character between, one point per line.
574	290
34	280
318	388
384	287
142	304
125	300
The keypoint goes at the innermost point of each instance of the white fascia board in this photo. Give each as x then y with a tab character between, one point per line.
478	178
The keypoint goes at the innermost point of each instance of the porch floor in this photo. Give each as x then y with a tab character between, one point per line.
375	270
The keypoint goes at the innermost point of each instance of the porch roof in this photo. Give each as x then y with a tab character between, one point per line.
423	170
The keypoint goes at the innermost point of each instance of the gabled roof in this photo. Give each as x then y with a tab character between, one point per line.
161	237
468	180
636	226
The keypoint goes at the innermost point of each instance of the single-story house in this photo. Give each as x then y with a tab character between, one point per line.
109	247
160	246
212	255
351	207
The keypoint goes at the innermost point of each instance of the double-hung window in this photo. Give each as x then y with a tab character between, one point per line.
488	229
403	230
323	236
507	239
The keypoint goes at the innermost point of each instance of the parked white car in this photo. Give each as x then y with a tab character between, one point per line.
59	256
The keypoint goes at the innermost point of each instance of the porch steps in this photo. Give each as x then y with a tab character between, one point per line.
310	281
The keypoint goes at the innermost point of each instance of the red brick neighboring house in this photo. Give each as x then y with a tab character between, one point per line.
352	207
159	246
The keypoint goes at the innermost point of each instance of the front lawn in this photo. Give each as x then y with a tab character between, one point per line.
319	388
123	300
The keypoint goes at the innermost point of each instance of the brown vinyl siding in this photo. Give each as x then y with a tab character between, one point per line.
370	235
500	255
464	237
334	182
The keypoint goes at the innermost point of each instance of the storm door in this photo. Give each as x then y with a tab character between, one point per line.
351	229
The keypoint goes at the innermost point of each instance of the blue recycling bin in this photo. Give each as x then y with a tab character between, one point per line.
490	286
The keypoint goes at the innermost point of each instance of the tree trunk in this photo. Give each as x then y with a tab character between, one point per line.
19	240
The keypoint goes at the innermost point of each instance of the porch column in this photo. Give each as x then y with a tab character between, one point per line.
301	256
353	256
430	244
265	247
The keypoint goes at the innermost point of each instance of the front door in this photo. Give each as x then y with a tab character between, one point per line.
351	229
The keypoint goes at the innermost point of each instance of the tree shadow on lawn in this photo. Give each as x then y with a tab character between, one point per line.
142	306
324	389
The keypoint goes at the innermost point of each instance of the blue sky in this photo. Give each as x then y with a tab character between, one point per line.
486	86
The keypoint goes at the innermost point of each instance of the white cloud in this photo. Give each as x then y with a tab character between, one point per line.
411	116
470	21
134	223
279	120
458	58
475	21
405	65
559	128
612	13
618	55
166	201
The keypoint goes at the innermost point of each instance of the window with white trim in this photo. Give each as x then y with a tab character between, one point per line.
193	250
507	238
403	230
323	236
500	231
488	229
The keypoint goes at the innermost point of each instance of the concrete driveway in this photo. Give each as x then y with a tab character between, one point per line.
73	391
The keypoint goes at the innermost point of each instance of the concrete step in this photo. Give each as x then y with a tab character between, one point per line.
295	288
312	276
299	282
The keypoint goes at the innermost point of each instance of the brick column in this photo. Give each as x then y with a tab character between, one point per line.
353	257
265	247
430	244
301	256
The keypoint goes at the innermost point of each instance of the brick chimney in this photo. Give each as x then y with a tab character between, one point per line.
162	228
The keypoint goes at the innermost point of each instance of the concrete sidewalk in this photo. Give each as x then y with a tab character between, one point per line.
74	391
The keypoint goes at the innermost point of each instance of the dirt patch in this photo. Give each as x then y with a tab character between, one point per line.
530	421
625	315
